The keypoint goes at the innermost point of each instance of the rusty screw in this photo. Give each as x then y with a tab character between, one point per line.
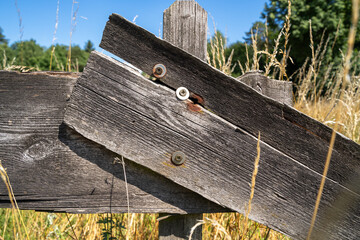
178	158
159	70
182	93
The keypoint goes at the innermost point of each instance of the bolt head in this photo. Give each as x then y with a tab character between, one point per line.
159	70
178	158
182	93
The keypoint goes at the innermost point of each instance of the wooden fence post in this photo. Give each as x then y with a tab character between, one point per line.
185	26
279	90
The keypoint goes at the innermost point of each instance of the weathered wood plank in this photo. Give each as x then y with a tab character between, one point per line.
281	126
53	168
281	91
130	115
185	26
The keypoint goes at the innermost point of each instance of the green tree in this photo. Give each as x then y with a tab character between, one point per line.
58	61
30	54
2	37
89	46
7	56
27	53
78	58
6	53
329	16
239	56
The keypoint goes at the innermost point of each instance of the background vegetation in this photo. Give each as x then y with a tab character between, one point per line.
30	54
301	41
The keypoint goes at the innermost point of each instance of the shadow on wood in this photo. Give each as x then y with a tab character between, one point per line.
53	168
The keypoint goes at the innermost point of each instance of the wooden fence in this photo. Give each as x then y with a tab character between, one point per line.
182	156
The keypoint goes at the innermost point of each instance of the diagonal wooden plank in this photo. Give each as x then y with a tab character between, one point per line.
53	168
282	127
116	107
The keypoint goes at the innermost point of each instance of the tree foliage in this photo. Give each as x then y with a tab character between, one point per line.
330	23
31	55
89	46
331	17
2	37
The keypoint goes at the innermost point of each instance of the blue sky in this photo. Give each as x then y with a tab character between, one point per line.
231	17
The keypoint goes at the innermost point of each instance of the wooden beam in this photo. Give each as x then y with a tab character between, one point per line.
116	107
185	26
53	168
282	127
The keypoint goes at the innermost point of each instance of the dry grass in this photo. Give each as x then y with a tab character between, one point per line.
77	226
327	101
252	192
54	35
217	57
73	25
339	110
142	226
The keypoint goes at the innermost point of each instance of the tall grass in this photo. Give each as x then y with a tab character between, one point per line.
346	69
19	222
330	101
252	192
54	35
72	30
21	33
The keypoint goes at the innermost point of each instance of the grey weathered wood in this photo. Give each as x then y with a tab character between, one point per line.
281	91
53	168
185	26
177	227
282	127
130	115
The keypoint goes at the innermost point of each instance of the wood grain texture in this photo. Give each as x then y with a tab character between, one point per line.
53	168
282	127
281	91
116	107
185	26
178	227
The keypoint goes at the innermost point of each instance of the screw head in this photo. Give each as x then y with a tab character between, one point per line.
159	70
178	158
182	93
